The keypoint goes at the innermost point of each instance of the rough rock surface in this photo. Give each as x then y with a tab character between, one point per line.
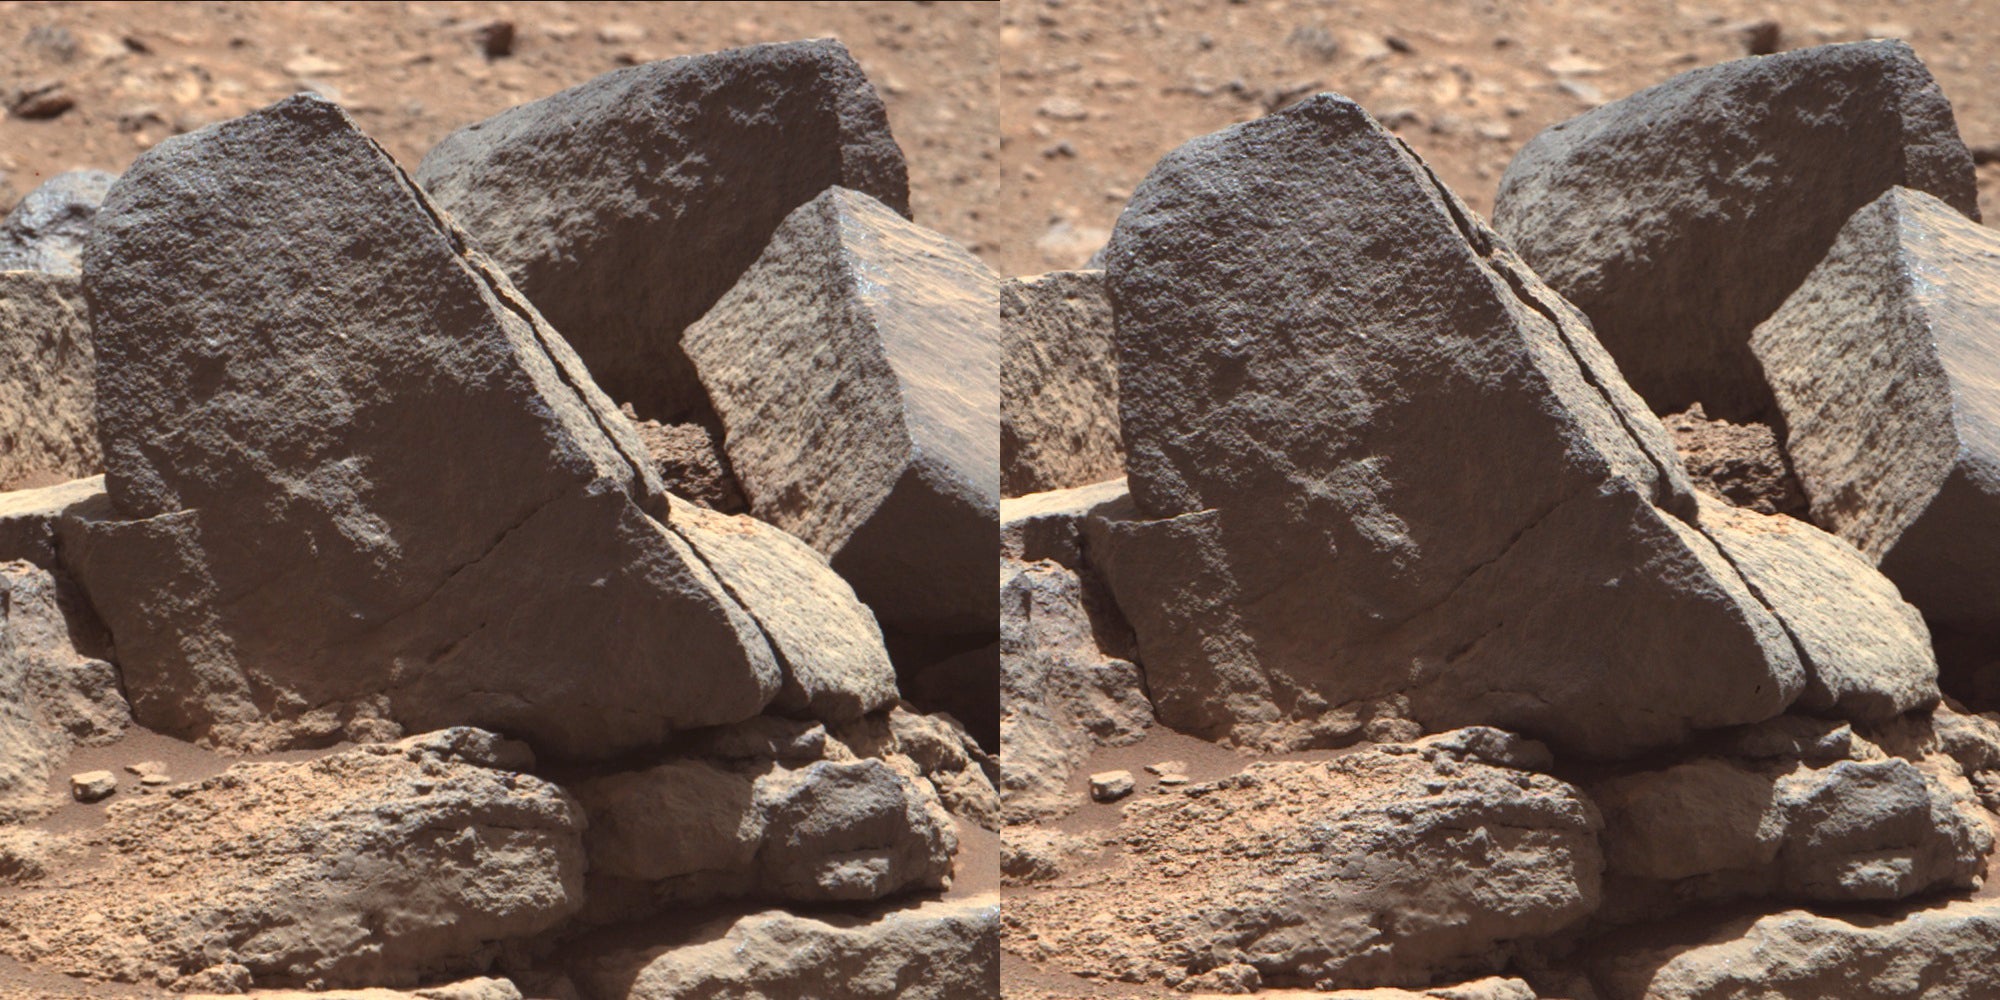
690	462
48	428
1394	866
1058	384
1740	463
1051	525
1883	367
855	370
1943	952
353	476
940	750
373	866
935	950
1061	695
30	519
59	691
46	230
1343	491
1682	216
479	988
626	206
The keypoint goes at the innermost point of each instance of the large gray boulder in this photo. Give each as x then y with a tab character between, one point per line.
1680	217
57	691
855	368
626	206
295	870
48	430
1342	490
46	230
355	481
1883	364
1058	384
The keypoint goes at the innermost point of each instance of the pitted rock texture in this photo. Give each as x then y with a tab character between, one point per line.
1681	217
1058	384
690	462
691	164
48	423
1741	463
60	692
46	229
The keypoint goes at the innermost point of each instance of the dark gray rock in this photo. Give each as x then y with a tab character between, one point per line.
48	427
46	230
1058	384
1680	217
626	206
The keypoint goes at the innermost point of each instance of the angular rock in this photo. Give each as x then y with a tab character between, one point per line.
48	429
1058	384
1050	525
29	519
1682	216
940	750
1941	952
1061	695
855	369
59	691
936	950
293	869
689	460
1343	491
626	206
46	230
1110	786
1377	868
348	487
1740	463
1882	365
92	786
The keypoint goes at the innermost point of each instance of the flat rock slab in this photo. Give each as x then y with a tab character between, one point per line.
30	519
626	206
1883	367
1680	217
48	426
1058	384
1372	869
855	368
355	482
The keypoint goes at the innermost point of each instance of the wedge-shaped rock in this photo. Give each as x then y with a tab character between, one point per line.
1680	217
48	430
31	519
59	691
946	949
294	870
855	368
45	232
1379	868
626	206
353	475
1345	489
1884	365
1938	952
1058	384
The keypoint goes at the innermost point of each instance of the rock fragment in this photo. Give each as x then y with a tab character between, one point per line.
29	519
1110	786
92	786
1740	463
46	230
1682	216
624	207
1058	384
48	427
60	691
690	462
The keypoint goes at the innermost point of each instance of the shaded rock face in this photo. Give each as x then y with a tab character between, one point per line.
31	519
855	370
379	865
623	208
355	480
1058	384
940	750
1389	866
1318	514
690	463
935	950
1681	217
46	230
1941	952
60	691
1882	364
48	430
1741	463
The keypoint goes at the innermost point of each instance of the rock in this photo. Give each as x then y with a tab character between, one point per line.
1030	854
1340	493
1050	525
1376	868
1936	952
960	685
46	229
1490	988
939	749
1879	363
1058	384
855	369
29	518
626	206
496	39
48	430
1110	786
936	950
1867	653
37	101
691	465
92	786
1061	695
340	498
477	988
291	869
1682	216
1740	463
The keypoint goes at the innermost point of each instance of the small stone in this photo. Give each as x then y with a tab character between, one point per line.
147	769
620	33
1762	38
92	786
1063	109
1110	786
1166	767
39	101
1173	779
311	65
496	39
